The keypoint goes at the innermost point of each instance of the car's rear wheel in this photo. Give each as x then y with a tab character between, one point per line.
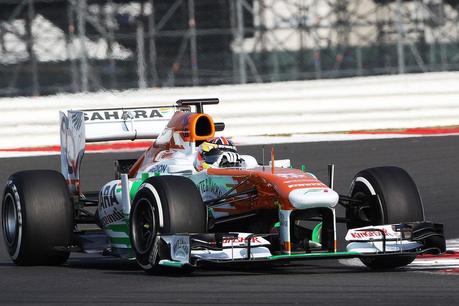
391	196
164	205
37	218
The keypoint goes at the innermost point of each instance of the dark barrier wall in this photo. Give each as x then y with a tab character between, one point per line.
54	46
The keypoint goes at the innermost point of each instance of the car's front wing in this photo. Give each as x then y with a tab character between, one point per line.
194	250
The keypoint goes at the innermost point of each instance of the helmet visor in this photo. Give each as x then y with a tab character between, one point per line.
212	156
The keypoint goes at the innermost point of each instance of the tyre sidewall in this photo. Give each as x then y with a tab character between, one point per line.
45	217
12	194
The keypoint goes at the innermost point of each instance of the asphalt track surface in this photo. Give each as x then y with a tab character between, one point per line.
433	162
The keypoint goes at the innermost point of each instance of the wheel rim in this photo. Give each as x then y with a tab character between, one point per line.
144	226
372	212
10	219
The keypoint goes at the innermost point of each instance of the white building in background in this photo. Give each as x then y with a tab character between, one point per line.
278	25
315	24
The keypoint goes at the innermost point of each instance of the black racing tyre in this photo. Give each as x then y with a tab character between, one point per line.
164	205
37	218
399	201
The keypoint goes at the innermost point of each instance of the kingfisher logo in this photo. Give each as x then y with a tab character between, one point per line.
240	240
370	234
121	114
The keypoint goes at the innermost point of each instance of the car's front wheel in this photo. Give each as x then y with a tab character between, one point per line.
164	205
391	196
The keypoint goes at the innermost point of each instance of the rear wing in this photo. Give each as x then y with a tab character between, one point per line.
78	127
126	123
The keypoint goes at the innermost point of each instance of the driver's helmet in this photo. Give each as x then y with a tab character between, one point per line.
219	152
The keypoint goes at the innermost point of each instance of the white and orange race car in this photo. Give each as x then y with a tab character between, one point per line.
191	199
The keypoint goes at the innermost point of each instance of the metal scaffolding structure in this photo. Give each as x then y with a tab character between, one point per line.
52	46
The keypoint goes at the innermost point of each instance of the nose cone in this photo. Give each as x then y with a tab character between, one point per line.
313	197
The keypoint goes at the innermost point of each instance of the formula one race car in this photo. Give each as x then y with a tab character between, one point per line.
191	199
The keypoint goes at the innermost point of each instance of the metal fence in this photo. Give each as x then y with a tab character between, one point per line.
55	46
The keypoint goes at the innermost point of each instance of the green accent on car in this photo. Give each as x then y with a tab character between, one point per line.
135	185
118	240
316	233
171	263
321	254
134	188
118	227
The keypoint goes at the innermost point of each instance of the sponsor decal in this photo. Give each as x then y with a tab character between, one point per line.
122	115
208	186
109	197
370	234
306	185
115	216
110	210
238	241
294	176
159	168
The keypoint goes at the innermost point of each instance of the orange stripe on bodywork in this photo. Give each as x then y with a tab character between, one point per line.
287	246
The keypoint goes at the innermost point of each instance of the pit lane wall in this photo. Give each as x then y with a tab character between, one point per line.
384	102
